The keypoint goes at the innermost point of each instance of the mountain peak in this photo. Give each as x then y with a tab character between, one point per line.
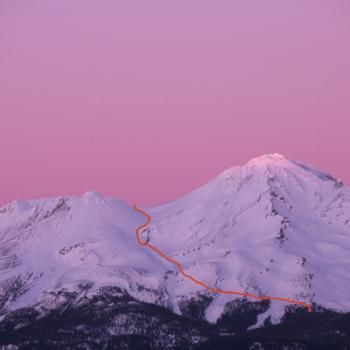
92	194
273	158
274	162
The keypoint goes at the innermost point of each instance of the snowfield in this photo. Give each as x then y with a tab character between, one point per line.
271	227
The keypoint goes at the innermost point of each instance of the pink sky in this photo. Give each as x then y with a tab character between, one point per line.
146	100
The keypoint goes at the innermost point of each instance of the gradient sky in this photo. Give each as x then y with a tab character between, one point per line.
146	100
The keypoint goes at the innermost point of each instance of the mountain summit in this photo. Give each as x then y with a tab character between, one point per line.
271	227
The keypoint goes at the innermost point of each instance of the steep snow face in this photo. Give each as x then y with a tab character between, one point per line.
271	227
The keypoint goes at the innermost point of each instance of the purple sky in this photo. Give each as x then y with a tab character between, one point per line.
145	100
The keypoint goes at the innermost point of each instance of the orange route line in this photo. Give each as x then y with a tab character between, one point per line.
186	275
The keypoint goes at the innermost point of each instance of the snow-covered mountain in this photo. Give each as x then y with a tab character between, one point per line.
64	243
271	227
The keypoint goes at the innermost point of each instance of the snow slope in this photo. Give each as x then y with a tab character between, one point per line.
271	227
63	243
